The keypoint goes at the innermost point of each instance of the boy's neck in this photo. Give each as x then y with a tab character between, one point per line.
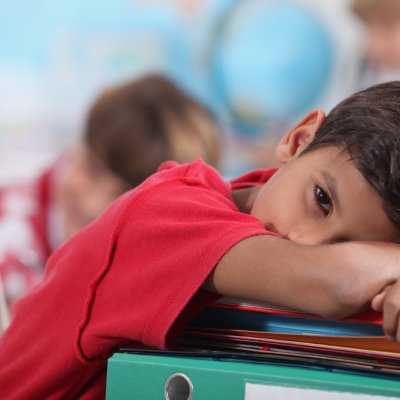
244	198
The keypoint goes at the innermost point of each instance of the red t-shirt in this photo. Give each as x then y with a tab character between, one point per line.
133	276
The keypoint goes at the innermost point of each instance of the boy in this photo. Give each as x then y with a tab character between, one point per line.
131	128
314	235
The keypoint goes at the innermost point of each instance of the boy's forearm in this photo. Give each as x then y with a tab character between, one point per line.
330	280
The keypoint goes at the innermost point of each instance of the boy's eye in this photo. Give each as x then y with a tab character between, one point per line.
322	198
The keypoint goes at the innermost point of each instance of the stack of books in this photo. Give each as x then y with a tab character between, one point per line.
258	332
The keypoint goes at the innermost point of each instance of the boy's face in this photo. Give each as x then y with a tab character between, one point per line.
87	188
321	197
383	39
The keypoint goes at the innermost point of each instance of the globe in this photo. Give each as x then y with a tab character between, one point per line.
270	61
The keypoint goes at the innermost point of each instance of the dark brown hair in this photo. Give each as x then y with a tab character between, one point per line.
136	126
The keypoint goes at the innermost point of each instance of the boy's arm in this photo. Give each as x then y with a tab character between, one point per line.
333	280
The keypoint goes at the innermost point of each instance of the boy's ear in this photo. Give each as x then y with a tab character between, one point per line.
299	137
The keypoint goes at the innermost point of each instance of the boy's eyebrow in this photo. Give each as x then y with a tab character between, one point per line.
331	182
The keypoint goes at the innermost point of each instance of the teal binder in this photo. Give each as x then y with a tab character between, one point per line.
157	376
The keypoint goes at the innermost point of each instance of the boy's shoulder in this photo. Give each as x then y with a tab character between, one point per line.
203	171
196	172
192	169
173	178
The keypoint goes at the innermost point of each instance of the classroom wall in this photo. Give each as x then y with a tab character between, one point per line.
56	55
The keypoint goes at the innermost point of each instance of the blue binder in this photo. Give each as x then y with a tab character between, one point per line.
214	317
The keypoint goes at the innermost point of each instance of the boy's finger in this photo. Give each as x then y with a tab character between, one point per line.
378	301
391	310
397	333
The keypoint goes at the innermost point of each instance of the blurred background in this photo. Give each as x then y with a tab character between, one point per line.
258	65
70	143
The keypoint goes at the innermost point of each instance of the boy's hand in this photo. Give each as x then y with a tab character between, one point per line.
388	302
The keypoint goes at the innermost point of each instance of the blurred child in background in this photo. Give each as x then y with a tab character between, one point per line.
130	130
382	41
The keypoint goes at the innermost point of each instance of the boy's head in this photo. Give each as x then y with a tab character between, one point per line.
131	129
341	174
382	20
134	127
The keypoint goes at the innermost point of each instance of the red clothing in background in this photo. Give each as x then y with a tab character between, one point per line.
133	276
27	212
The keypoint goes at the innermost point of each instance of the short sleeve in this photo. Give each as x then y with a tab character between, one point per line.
171	237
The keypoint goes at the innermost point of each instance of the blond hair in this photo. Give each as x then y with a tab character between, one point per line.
136	126
367	9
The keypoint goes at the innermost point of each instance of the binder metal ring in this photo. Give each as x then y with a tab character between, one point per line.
178	387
